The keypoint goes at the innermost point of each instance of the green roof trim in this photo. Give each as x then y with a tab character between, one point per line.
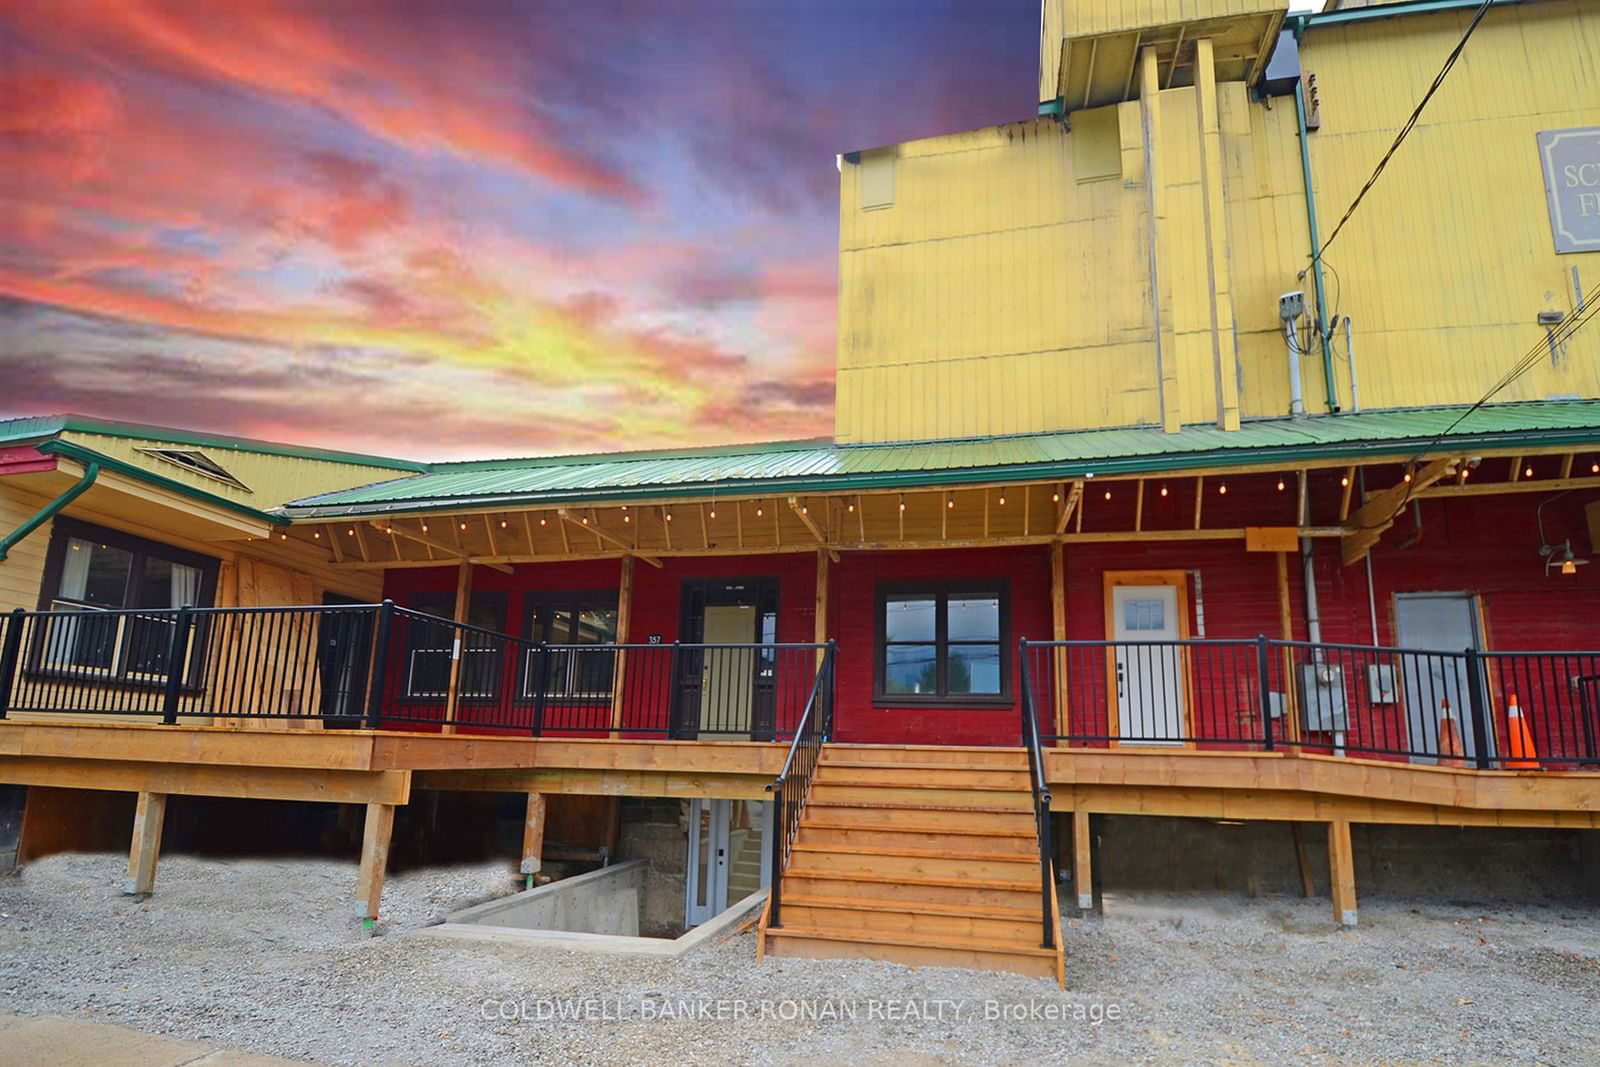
820	466
40	426
89	456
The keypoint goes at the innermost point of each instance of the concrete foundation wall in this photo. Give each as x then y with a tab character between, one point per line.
1429	862
607	901
653	830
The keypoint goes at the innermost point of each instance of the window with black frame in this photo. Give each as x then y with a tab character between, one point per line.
430	645
942	643
95	569
573	674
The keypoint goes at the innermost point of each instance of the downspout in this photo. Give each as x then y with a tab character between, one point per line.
91	471
1316	237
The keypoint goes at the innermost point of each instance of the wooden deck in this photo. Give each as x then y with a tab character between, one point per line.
380	769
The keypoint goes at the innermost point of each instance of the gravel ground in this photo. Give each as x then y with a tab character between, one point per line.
263	955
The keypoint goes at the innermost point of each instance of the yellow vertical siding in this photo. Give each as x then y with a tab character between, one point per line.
1001	293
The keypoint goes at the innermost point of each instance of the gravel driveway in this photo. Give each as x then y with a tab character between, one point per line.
263	955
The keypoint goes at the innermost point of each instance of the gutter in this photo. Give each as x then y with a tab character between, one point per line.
88	456
91	471
1063	470
1385	11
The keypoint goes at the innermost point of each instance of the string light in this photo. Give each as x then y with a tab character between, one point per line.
542	521
1108	494
351	532
317	534
758	511
1528	473
1344	481
1163	490
713	511
852	509
949	502
669	516
1222	490
1055	498
805	509
1407	478
503	524
585	521
1594	468
463	526
424	527
1280	485
902	501
627	518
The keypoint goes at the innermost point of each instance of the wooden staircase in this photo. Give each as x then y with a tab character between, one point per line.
917	855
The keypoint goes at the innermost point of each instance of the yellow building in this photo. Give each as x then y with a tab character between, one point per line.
1118	261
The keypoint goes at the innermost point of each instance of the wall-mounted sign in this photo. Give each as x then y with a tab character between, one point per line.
1571	160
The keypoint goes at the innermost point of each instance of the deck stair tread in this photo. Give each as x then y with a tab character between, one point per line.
932	827
918	853
895	937
929	805
918	907
799	870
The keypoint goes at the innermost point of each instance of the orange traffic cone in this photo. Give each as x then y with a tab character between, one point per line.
1451	752
1524	756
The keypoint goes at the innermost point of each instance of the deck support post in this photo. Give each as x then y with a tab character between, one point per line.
533	834
820	629
458	645
1302	860
1342	869
374	859
148	815
624	621
1058	633
1082	872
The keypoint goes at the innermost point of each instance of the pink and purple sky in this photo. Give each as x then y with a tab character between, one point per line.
442	229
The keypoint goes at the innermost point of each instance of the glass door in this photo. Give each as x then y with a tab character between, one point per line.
707	890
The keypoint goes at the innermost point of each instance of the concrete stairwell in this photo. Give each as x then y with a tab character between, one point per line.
922	856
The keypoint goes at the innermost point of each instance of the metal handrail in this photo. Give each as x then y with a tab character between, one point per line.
793	783
1041	801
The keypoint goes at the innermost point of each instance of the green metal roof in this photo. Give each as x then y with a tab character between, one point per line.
32	428
821	466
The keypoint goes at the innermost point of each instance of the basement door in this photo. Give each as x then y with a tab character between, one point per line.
1149	677
1439	622
706	894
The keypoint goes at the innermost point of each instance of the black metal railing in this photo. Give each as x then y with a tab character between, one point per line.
793	784
1041	803
1486	710
380	665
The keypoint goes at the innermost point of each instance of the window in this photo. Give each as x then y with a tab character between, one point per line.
571	619
942	643
429	647
90	568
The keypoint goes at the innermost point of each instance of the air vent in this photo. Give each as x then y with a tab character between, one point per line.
196	462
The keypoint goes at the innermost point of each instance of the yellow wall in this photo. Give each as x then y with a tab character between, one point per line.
1008	287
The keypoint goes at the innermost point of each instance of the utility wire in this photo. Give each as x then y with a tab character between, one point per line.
1405	131
1526	362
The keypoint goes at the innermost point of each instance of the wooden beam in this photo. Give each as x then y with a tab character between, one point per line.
1072	501
665	518
1058	631
1566	465
333	543
326	785
1138	507
533	834
527	532
1199	499
148	815
606	536
393	528
820	619
1349	486
1516	468
802	514
1368	523
624	621
361	543
375	837
1082	873
1551	485
1291	716
463	611
1342	869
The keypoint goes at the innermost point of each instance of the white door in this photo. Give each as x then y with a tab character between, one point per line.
1149	679
706	894
1435	687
